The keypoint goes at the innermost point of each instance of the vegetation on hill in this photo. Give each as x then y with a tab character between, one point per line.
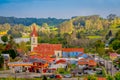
29	21
80	31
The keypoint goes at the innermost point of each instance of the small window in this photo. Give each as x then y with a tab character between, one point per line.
33	40
58	54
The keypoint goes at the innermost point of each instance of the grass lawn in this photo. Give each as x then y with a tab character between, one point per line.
26	36
63	71
94	37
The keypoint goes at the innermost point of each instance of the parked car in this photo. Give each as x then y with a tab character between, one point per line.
79	74
55	76
58	76
52	76
102	63
67	76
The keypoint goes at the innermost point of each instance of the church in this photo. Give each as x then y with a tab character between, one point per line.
49	50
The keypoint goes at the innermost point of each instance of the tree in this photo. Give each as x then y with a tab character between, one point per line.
78	35
117	76
118	51
1	47
117	36
23	46
111	17
110	33
4	38
91	77
45	25
99	46
109	77
1	61
66	27
11	52
116	44
12	43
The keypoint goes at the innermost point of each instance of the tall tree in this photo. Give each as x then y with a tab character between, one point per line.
4	38
1	61
66	27
45	25
111	17
23	46
116	44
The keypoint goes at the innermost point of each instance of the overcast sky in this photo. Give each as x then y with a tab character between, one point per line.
58	8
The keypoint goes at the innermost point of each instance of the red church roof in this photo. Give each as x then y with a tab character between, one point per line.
47	50
34	32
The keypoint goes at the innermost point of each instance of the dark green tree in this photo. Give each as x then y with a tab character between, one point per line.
78	35
109	77
116	44
117	36
117	76
111	17
91	77
1	61
4	38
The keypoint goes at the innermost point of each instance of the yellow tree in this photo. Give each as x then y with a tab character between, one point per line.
66	27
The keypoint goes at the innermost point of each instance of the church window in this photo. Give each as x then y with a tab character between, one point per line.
33	40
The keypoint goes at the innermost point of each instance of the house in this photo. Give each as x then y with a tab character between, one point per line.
61	63
113	56
38	65
82	63
86	62
72	52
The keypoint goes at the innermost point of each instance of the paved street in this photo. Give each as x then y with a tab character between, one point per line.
28	75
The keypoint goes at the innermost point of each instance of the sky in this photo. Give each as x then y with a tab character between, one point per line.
58	8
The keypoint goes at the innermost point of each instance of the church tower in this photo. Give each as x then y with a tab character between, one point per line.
34	35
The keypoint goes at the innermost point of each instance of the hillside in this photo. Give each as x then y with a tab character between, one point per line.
80	31
29	21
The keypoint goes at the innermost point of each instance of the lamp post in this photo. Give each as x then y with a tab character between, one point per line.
111	68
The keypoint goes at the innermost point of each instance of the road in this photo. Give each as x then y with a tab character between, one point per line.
28	75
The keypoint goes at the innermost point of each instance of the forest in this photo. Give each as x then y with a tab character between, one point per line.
29	21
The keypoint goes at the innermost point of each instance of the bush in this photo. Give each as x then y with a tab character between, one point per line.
117	76
91	77
110	77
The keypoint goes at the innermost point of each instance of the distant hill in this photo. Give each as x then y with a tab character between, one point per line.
29	21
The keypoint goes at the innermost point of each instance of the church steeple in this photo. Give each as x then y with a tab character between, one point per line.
34	32
34	36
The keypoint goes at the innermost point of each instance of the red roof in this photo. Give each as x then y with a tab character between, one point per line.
63	61
19	50
48	59
86	61
34	32
101	78
8	46
73	50
92	63
82	62
47	50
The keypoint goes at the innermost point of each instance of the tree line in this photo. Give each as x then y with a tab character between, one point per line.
29	21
